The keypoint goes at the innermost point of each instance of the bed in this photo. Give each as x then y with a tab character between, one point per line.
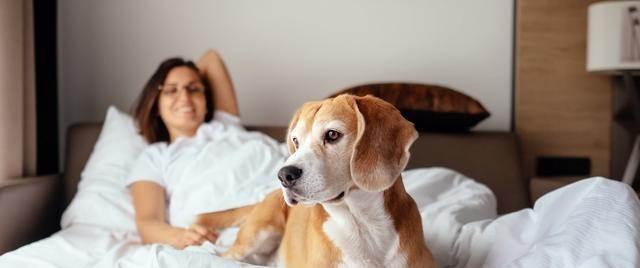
491	158
475	204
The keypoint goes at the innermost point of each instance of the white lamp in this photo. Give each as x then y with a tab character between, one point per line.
613	47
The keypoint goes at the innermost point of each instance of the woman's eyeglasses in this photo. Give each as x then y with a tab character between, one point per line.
172	89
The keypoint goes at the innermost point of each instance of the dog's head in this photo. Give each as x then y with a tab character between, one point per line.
343	143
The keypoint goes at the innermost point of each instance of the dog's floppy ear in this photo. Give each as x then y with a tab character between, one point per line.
305	110
381	148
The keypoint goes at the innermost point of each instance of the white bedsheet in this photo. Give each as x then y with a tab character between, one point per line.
592	223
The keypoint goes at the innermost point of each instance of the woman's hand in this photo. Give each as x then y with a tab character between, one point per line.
195	235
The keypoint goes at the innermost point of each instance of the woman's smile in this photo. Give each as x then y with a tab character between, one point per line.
185	109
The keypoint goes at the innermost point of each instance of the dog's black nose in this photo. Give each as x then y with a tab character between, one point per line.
288	175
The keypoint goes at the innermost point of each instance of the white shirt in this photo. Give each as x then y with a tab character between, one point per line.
223	166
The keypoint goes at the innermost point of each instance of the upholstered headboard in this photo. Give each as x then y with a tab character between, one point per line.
491	158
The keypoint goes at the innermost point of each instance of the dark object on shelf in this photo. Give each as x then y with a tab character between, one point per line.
562	166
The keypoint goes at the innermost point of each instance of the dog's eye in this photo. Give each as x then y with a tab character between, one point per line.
295	142
331	136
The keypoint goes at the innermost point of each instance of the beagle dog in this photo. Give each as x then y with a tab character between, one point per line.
346	157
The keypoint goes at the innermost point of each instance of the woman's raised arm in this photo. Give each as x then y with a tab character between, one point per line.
212	67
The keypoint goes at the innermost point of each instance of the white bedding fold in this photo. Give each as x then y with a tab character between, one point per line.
590	223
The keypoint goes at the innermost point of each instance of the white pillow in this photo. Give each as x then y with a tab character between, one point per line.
102	198
115	151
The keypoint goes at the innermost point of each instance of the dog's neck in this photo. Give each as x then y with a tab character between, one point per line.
362	228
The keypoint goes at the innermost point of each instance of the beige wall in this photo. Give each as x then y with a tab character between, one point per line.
282	53
11	84
560	109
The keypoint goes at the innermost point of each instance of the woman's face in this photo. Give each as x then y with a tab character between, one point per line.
182	104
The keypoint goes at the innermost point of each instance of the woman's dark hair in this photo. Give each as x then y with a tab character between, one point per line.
145	110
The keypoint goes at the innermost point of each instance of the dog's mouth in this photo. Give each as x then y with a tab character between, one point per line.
293	198
290	197
336	199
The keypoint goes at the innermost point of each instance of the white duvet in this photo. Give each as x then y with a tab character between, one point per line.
591	223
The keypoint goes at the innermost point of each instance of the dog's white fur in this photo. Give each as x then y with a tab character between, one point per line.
363	230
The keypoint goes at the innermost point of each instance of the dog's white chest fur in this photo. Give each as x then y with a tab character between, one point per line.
363	231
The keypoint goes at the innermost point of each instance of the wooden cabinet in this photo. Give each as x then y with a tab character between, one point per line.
560	108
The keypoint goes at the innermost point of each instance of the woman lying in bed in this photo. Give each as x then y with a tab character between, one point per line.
136	202
175	102
174	114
